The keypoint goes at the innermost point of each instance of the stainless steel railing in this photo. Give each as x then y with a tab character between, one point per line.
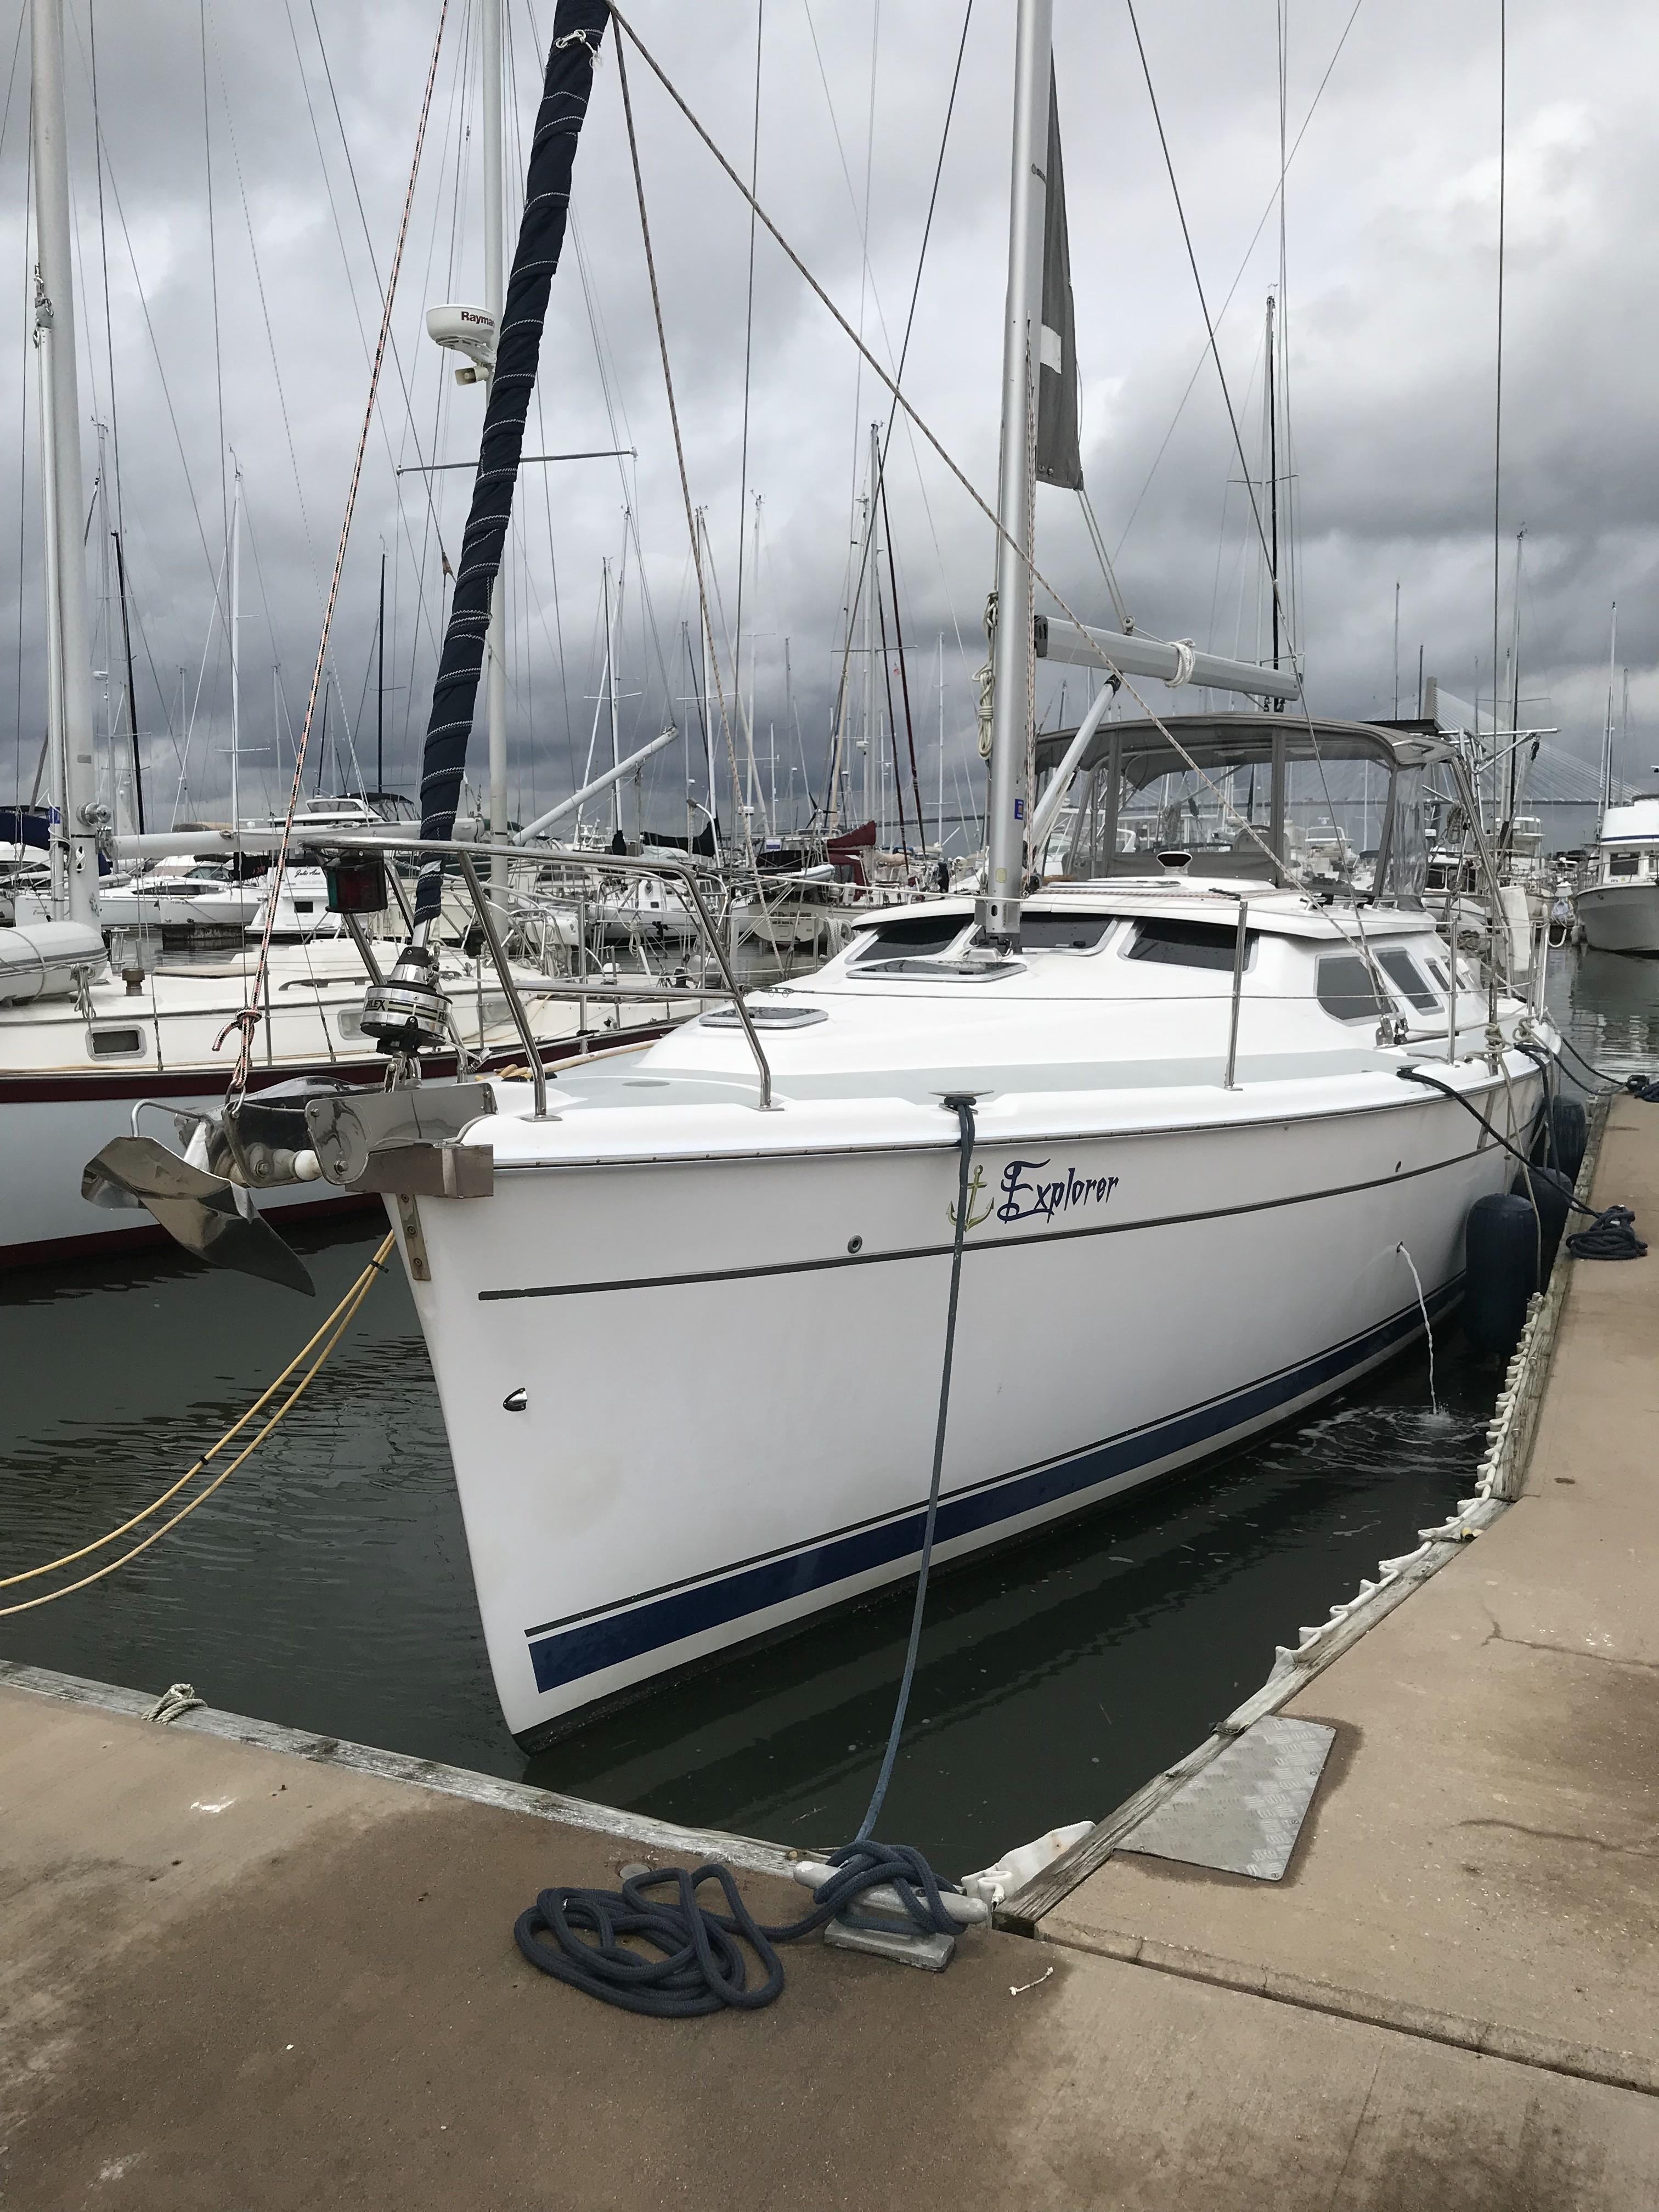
579	989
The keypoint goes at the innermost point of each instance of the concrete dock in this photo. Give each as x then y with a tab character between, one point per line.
252	1974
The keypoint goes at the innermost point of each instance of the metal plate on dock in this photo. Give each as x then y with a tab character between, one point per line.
1243	1812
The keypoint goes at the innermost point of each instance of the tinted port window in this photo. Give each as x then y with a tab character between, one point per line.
111	1044
1402	969
1190	945
1062	933
918	935
1346	990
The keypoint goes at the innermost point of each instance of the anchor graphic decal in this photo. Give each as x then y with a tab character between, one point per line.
975	1187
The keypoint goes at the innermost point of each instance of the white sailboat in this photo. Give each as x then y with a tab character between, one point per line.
1198	1186
1194	1168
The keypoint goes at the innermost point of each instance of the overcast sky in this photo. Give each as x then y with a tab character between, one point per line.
304	137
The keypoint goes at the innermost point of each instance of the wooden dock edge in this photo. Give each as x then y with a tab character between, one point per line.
1502	1473
693	1844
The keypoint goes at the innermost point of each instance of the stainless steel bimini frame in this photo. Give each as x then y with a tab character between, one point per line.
468	855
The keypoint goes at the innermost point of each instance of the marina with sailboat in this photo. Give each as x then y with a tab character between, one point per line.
843	1326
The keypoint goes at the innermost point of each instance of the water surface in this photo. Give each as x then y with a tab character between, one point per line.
326	1584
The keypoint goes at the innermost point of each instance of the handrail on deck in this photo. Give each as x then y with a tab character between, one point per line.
639	863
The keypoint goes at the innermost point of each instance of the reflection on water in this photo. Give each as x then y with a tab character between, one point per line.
326	1584
1607	1005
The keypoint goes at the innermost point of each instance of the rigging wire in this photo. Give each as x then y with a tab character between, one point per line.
1238	445
865	274
875	295
456	121
390	341
1203	302
212	275
903	355
247	1022
363	218
154	345
748	365
1204	351
1038	579
680	448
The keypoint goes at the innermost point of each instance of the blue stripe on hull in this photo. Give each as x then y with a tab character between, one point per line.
588	1647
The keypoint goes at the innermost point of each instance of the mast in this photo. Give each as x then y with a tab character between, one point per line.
103	632
379	685
132	692
236	635
707	687
1011	696
1514	695
1272	487
871	749
613	625
495	295
54	757
1606	736
941	744
74	847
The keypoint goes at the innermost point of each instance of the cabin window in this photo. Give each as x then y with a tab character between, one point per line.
1050	931
115	1044
1438	974
1189	943
1346	990
1623	863
918	934
1403	972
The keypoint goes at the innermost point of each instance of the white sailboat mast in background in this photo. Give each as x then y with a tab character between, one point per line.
235	648
75	842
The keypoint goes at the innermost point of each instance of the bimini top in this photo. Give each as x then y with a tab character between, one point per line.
1227	741
1255	795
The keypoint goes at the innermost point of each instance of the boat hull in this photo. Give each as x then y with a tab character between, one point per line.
53	1122
1183	1290
1620	917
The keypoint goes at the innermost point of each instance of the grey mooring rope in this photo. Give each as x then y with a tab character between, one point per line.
961	1104
1612	1233
699	1966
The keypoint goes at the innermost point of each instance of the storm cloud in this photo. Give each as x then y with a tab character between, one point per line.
255	163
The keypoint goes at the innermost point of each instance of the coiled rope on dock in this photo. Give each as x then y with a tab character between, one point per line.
699	1965
321	1343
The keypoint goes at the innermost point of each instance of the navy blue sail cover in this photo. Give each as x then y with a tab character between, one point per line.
573	53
